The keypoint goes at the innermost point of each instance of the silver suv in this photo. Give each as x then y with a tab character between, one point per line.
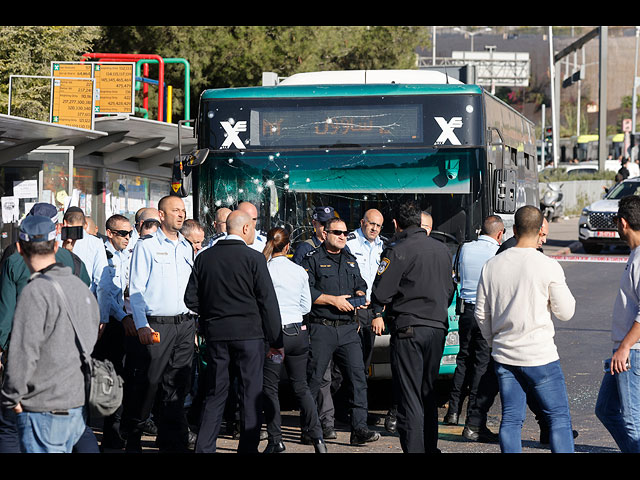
597	227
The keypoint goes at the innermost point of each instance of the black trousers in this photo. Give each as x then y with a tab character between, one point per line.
110	346
162	369
415	358
342	344
471	361
246	359
296	353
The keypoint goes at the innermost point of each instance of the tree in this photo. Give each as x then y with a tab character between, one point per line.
29	50
236	56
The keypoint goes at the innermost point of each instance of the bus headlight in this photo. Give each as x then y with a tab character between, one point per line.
453	338
448	360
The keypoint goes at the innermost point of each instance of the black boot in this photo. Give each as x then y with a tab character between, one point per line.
319	446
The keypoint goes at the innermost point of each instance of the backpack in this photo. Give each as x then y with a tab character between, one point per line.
104	387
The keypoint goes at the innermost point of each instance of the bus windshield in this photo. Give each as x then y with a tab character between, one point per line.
287	185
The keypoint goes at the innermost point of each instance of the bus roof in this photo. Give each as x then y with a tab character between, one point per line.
292	91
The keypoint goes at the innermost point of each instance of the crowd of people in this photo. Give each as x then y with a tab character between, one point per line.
201	330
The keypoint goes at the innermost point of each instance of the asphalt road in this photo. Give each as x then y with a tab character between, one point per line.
583	343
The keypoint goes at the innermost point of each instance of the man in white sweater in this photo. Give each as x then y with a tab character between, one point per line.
618	404
517	292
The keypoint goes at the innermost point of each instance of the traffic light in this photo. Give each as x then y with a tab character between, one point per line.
548	133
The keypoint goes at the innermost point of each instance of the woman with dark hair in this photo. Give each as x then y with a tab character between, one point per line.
291	284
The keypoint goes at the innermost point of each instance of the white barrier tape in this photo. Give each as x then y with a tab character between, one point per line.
589	258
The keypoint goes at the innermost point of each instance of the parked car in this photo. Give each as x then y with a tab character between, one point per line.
597	228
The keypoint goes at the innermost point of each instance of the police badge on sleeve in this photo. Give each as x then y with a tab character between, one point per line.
384	263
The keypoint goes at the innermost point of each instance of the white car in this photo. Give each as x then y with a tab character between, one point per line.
597	227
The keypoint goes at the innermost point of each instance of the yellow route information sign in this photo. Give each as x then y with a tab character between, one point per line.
72	69
114	87
72	102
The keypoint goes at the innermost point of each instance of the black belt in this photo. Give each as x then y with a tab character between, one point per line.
292	329
330	323
175	319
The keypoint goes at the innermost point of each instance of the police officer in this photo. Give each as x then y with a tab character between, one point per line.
367	244
160	269
474	354
319	217
219	225
260	239
415	284
334	277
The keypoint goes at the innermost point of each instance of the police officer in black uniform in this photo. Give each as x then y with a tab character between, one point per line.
415	284
334	277
320	216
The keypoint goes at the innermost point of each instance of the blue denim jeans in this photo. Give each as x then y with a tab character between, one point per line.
547	383
45	432
618	405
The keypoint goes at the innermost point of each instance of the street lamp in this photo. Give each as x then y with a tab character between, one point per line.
471	34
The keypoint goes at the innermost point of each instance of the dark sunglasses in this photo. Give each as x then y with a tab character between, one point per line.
123	233
337	233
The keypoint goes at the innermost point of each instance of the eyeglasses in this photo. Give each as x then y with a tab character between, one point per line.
337	233
374	224
123	233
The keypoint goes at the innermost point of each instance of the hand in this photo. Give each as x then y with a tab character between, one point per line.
144	335
342	304
101	329
377	325
18	408
275	351
619	361
129	326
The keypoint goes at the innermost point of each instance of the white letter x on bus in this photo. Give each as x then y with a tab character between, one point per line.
447	130
232	134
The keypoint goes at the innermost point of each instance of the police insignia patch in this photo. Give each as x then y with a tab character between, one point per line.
384	263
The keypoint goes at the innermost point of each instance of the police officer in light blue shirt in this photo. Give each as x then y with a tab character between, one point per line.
474	354
259	241
159	272
111	343
367	245
90	249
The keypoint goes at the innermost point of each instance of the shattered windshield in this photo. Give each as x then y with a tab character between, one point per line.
286	186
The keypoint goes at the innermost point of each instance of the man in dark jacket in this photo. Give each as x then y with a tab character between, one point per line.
415	285
231	290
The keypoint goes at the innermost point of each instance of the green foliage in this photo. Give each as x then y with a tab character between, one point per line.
560	174
236	56
29	50
219	56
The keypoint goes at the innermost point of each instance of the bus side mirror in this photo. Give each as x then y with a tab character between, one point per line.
504	188
183	166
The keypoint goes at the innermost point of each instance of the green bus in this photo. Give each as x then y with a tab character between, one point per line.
355	141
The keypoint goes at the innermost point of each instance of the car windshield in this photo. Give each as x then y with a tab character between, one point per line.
623	189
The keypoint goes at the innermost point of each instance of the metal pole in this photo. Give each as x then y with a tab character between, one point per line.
554	105
543	137
433	55
602	125
633	97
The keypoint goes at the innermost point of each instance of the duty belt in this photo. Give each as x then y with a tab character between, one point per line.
330	323
183	317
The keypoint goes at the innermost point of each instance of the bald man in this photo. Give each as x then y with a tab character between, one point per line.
236	325
259	241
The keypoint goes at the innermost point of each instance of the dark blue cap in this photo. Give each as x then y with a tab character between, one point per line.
46	210
37	228
322	214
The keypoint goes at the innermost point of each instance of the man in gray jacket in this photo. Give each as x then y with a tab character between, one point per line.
44	380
